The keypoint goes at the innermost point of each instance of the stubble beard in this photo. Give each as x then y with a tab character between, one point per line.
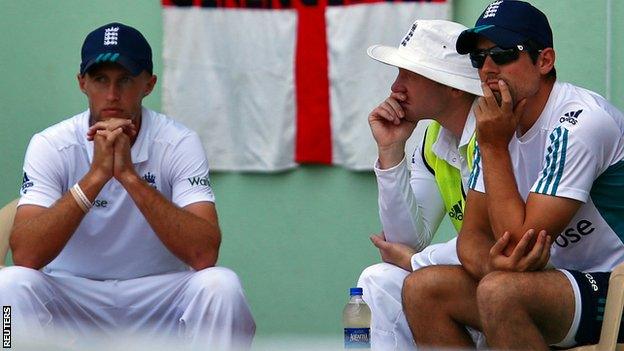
498	97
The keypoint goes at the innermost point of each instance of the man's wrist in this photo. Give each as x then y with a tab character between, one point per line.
390	156
97	178
494	147
128	178
407	263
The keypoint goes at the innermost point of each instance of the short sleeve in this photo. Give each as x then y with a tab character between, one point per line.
42	182
190	181
574	157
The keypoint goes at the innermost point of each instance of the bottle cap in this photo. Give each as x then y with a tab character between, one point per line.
355	291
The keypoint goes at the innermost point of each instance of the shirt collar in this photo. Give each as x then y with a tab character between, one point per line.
469	127
447	146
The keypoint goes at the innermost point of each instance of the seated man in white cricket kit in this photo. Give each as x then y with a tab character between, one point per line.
116	228
435	82
550	157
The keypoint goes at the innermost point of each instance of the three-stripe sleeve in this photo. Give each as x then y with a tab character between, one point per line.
476	168
554	165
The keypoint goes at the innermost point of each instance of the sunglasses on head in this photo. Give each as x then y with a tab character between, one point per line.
499	55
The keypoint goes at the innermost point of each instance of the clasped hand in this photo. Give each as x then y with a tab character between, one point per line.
111	147
520	260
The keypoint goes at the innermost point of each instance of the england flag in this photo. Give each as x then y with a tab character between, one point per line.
270	84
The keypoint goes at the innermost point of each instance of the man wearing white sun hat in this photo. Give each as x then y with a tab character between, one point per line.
435	82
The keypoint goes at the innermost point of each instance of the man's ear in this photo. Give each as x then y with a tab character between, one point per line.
457	93
81	83
546	60
150	85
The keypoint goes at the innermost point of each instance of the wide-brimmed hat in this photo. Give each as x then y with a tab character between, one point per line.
428	49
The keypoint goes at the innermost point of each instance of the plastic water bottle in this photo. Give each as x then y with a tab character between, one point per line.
356	318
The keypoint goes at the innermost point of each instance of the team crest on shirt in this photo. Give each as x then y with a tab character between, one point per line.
26	183
571	117
150	179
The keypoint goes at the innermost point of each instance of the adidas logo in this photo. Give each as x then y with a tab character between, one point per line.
571	117
456	211
491	10
26	183
409	35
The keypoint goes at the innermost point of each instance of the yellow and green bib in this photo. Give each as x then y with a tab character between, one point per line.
447	177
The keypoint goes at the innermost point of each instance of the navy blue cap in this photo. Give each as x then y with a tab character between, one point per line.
508	23
355	291
116	42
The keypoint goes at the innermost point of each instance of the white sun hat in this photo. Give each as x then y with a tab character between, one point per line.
428	49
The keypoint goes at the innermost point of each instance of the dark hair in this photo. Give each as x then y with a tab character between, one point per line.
534	49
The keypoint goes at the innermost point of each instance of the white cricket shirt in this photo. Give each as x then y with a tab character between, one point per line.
575	150
114	240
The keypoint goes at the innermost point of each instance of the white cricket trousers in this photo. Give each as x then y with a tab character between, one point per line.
382	284
199	310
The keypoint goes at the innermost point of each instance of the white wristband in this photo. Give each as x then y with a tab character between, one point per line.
78	201
81	198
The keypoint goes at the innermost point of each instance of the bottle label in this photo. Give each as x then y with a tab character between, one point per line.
357	338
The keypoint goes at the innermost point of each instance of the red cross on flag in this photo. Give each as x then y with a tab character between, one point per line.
269	84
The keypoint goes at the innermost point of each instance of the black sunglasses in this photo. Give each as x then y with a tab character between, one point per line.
499	56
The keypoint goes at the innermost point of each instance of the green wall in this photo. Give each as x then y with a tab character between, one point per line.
298	239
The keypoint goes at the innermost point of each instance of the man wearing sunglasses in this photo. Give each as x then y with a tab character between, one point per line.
433	81
550	159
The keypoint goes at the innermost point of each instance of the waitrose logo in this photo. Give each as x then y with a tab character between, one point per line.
203	181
